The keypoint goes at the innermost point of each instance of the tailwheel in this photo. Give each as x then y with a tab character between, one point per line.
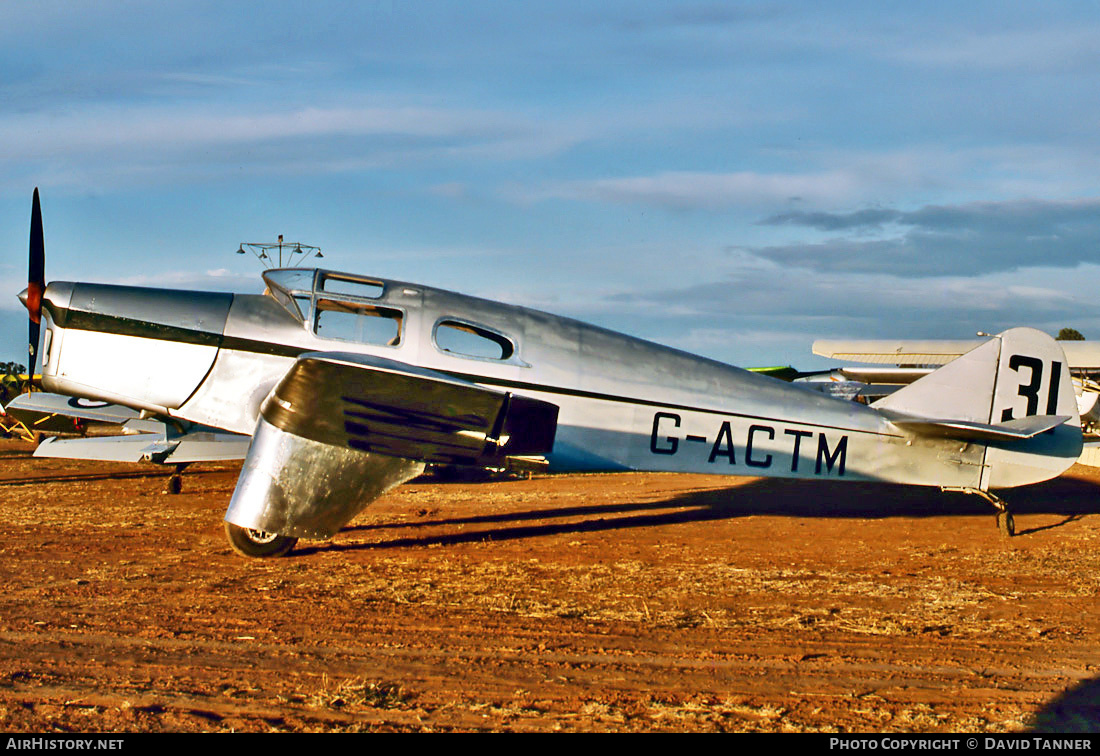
258	544
1006	524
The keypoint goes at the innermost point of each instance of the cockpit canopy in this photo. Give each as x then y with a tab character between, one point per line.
363	310
294	288
337	305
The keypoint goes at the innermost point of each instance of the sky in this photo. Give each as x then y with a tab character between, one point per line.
733	179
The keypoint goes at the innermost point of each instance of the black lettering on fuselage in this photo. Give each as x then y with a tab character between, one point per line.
725	435
671	443
832	454
798	436
767	460
836	458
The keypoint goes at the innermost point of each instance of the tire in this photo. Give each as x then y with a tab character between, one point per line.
174	485
258	544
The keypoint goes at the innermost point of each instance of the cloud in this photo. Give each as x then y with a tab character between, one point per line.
823	221
450	190
827	179
685	190
216	279
968	239
715	16
1050	48
139	144
108	128
768	315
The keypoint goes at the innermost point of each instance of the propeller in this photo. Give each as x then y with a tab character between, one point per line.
36	281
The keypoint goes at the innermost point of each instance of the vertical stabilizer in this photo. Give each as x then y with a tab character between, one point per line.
960	390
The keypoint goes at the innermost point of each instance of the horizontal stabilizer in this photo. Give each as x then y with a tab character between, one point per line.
1011	430
28	407
199	446
373	404
100	448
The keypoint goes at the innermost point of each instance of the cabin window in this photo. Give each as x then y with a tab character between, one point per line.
357	321
356	288
468	340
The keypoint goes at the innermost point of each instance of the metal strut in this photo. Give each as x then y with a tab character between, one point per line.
1005	522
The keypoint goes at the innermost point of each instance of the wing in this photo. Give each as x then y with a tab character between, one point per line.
894	352
1081	356
378	405
341	429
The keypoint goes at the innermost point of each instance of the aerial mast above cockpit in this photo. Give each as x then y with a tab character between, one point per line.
294	251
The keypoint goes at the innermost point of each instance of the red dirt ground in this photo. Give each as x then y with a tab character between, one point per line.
622	602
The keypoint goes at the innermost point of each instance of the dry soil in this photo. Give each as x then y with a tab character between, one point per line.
620	602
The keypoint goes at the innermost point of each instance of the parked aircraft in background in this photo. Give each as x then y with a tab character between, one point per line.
348	385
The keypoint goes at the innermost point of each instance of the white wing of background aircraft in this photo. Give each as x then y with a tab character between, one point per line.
1083	356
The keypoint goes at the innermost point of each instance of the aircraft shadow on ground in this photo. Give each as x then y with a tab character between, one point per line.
1075	711
1071	498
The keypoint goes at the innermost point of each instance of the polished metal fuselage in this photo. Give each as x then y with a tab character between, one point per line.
625	403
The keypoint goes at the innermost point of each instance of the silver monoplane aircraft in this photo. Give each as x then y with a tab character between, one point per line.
348	385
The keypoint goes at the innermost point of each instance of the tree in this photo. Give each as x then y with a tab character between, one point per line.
10	383
1069	334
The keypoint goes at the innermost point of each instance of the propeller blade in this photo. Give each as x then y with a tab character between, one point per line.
36	280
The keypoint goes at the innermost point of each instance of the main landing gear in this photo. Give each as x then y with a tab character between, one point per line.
1005	522
258	543
175	480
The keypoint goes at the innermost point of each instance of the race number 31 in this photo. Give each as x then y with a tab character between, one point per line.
1030	390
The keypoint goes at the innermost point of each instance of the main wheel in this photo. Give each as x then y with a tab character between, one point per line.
174	484
258	543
